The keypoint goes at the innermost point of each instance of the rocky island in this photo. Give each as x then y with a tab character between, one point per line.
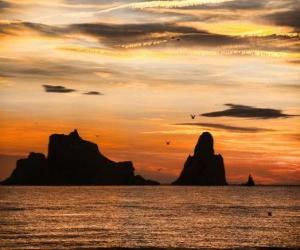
250	182
73	161
204	168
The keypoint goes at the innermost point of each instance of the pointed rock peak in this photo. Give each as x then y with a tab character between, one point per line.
205	145
250	181
74	134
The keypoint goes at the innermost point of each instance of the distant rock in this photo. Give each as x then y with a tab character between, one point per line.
250	182
204	167
73	161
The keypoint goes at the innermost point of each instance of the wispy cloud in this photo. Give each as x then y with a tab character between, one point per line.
226	127
243	111
163	4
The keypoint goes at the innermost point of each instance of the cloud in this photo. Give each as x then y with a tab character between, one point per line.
47	68
243	111
226	127
15	27
232	5
57	89
93	93
4	5
163	4
289	18
159	35
116	34
124	30
99	2
135	35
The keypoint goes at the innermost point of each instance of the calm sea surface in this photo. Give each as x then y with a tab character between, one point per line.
166	217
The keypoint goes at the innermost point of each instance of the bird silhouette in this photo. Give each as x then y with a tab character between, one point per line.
168	143
193	116
269	213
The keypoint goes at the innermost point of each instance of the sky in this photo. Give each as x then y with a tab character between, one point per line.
128	75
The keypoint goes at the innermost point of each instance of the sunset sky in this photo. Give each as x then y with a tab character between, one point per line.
128	74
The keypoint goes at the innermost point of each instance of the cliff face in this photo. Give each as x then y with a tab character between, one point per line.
73	161
204	167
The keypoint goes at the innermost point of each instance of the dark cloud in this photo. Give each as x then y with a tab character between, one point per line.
243	4
114	34
121	35
4	5
93	93
57	89
289	18
226	127
124	30
243	111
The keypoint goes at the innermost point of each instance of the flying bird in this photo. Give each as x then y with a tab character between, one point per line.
168	143
193	116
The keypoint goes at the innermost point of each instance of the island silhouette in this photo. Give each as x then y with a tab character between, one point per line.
250	182
72	160
204	168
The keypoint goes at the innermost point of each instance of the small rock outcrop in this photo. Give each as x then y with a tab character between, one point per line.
204	167
73	161
250	182
31	170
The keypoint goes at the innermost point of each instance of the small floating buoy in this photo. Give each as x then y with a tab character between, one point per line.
270	213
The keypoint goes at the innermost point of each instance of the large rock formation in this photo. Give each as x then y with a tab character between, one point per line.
73	161
204	167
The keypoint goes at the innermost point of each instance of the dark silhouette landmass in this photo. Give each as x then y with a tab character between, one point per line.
250	182
204	167
73	161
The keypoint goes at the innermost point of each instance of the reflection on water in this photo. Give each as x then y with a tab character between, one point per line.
166	216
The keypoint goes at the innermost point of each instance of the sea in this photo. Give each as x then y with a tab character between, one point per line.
149	217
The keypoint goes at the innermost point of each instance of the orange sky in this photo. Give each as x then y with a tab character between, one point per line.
154	63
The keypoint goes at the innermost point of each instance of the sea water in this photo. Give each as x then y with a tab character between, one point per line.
153	216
